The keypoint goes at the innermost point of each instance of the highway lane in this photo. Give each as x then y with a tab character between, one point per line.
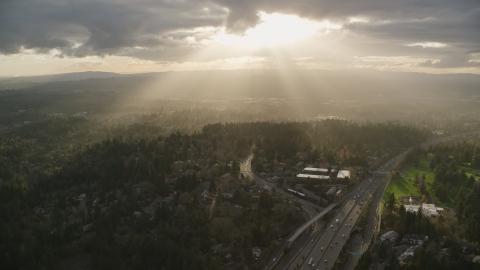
303	251
296	255
338	232
300	247
369	232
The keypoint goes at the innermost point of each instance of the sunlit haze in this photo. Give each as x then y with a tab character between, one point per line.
275	29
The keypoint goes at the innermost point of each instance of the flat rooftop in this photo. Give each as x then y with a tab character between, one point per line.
313	176
315	170
343	174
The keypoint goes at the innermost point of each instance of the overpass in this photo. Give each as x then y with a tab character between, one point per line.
309	223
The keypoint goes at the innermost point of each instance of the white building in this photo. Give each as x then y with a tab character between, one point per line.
427	209
389	236
319	170
342	174
312	176
412	208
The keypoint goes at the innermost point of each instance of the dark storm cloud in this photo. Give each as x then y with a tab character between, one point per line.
99	27
391	24
159	28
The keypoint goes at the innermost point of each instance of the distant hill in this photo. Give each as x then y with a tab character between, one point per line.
215	84
61	77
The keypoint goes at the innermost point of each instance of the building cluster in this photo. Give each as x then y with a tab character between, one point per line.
427	209
323	173
410	243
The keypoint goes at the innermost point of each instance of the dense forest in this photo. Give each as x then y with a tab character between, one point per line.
450	163
137	201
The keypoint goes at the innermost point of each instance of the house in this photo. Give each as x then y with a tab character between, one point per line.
411	250
217	248
414	239
441	240
38	211
476	259
444	252
87	227
256	252
206	195
400	249
467	248
82	196
405	258
228	195
407	255
389	236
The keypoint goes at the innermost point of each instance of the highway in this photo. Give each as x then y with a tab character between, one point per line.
374	219
334	234
318	247
329	245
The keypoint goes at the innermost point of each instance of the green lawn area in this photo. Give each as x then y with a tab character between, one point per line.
470	171
410	170
401	187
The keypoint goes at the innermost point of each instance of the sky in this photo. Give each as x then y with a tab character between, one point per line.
133	36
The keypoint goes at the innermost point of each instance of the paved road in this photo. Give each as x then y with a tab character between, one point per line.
347	215
340	227
336	234
246	169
